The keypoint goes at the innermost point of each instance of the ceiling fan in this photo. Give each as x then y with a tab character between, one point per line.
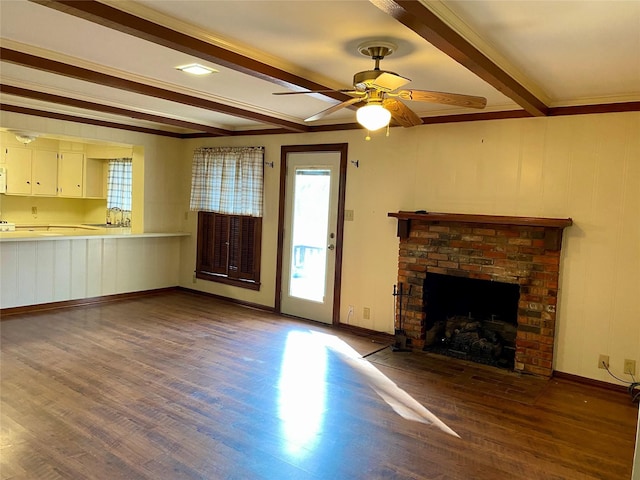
378	91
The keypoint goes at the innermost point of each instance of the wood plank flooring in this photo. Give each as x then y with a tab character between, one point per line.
182	386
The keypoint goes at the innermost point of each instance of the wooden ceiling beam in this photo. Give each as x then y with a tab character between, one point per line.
98	107
138	27
89	121
416	16
79	73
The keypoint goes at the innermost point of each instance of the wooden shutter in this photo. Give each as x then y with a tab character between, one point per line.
213	243
229	248
245	237
220	245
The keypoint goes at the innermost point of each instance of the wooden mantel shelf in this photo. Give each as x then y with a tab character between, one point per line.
553	226
493	219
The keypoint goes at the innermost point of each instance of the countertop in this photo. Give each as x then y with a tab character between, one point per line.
76	232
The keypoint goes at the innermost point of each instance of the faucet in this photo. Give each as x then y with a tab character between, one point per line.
118	223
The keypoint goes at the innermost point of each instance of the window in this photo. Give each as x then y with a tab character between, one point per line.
229	249
226	191
119	186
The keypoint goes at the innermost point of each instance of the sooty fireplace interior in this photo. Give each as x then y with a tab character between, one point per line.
471	318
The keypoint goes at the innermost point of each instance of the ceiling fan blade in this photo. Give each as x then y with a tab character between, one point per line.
444	98
401	113
332	109
351	91
389	81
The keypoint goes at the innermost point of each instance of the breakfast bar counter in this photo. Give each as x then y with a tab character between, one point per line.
55	263
76	232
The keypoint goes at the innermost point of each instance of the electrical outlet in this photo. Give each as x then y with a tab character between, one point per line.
603	359
348	215
629	367
34	210
350	312
366	313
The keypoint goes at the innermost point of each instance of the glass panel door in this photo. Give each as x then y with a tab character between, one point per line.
309	235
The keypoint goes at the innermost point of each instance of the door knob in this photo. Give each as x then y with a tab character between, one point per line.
331	247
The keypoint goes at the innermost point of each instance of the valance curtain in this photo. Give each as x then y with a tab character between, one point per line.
228	180
119	184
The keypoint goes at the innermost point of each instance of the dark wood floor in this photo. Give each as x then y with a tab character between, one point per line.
181	386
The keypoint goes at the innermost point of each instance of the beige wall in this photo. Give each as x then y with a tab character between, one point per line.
584	167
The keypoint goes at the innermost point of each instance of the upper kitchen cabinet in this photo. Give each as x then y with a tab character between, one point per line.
18	164
95	178
70	174
57	168
44	173
31	172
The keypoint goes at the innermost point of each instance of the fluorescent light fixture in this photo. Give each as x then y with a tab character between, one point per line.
196	69
373	116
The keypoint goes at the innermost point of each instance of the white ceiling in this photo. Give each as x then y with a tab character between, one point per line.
561	53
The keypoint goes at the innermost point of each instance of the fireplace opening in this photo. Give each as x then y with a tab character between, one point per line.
471	319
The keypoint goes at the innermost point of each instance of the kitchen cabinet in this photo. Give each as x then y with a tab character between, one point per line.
70	174
31	172
95	178
18	163
44	173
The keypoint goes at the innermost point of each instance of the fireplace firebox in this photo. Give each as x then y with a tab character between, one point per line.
522	252
471	318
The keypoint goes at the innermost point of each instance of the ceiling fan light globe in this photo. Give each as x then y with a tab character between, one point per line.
373	117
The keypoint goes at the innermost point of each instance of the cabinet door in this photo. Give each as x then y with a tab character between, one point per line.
18	162
95	178
70	174
44	173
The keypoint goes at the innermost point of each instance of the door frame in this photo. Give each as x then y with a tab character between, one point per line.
285	150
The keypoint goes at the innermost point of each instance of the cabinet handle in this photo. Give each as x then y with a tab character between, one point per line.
28	183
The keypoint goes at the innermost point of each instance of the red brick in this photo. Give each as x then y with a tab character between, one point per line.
447	264
437	270
426	235
494	254
458	244
482	246
471	267
520	241
484	231
544	259
508	233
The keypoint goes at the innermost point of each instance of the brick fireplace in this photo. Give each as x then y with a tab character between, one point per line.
514	250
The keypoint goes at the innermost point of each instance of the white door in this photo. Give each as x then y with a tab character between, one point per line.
310	234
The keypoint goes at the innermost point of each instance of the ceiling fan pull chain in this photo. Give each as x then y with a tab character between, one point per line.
368	137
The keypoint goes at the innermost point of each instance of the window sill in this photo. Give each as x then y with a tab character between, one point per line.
213	277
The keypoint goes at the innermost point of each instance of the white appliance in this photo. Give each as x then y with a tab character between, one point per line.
7	227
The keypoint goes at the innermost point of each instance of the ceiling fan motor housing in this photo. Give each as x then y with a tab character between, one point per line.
366	80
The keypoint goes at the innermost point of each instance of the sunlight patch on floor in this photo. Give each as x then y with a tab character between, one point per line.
302	389
400	401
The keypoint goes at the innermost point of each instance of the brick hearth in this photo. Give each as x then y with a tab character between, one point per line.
518	250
